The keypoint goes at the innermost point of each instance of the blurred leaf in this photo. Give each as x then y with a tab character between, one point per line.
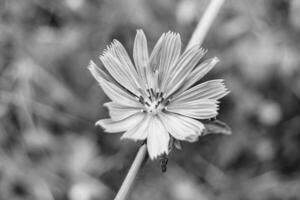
216	127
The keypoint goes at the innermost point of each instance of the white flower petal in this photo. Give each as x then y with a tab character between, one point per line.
115	61
198	73
119	111
169	55
153	64
139	132
118	95
140	54
214	89
101	73
157	139
156	53
97	72
184	66
128	123
181	127
199	109
122	55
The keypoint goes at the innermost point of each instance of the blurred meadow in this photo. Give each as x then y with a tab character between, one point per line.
49	102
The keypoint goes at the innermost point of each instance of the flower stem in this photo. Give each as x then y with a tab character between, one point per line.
140	158
205	23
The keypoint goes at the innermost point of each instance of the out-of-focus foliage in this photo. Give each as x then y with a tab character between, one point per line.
50	149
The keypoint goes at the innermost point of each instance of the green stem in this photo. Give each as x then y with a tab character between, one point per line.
205	23
140	158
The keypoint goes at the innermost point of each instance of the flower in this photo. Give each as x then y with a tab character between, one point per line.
156	99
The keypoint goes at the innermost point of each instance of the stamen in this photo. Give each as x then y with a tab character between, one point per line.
141	100
150	96
167	102
160	100
161	95
148	90
157	95
152	92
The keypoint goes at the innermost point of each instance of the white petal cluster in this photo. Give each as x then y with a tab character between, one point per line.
156	98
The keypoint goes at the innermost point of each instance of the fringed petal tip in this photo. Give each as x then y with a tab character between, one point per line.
171	34
106	104
125	137
128	123
132	138
192	139
199	48
111	47
214	61
100	124
105	125
92	67
108	50
140	32
156	156
226	89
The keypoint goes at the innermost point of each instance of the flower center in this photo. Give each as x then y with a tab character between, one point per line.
154	107
154	104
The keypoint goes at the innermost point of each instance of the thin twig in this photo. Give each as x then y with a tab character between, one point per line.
205	23
140	158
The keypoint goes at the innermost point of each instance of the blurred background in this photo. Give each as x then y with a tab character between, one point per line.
49	102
